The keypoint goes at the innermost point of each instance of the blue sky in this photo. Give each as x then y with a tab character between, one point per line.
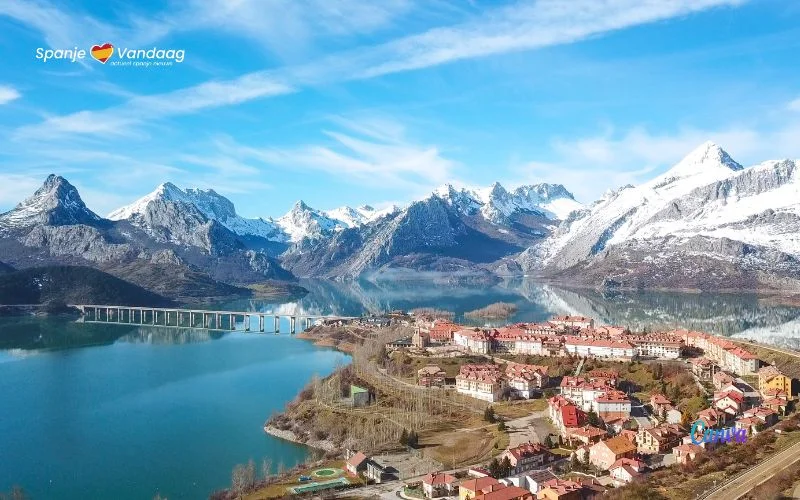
349	102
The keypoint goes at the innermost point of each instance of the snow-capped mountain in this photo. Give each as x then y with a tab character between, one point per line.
705	222
208	202
163	243
56	203
305	223
499	205
354	217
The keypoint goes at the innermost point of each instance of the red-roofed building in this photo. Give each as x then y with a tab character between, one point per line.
585	435
605	453
506	493
356	463
573	321
626	470
612	405
472	487
527	456
560	489
486	382
687	452
600	348
438	484
475	341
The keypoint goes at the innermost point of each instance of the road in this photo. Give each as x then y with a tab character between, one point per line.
533	428
762	472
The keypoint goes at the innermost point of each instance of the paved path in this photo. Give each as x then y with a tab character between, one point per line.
532	428
741	485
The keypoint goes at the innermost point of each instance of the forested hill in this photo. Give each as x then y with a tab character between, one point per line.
73	285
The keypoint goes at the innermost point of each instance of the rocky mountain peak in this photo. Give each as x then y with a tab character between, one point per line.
55	203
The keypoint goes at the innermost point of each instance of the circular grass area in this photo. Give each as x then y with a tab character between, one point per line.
327	472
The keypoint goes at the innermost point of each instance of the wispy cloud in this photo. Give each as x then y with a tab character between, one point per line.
120	120
8	94
522	26
794	105
372	152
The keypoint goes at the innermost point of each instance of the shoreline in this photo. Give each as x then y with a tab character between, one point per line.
290	436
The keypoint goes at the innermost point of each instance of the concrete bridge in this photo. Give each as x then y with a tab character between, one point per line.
228	321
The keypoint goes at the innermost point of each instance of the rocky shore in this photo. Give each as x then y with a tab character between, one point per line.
288	435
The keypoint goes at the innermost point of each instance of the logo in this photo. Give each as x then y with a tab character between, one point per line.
122	56
102	52
716	436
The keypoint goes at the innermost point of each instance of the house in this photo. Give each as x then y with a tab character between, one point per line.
658	439
767	416
659	403
529	345
532	480
585	435
607	377
749	424
730	402
703	368
376	471
475	341
485	382
431	376
741	361
600	348
559	489
603	454
573	321
582	392
674	416
356	463
771	378
625	470
657	345
617	425
359	396
712	417
525	380
687	452
775	403
441	332
628	434
721	379
527	456
438	484
471	487
613	404
504	492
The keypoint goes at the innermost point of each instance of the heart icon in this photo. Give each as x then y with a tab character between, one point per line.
102	52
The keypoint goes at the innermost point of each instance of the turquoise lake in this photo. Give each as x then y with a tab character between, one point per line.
125	412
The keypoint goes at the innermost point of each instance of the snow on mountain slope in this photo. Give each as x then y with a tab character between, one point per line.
56	203
209	203
354	217
303	222
498	205
706	194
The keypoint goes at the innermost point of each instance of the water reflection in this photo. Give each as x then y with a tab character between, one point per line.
740	315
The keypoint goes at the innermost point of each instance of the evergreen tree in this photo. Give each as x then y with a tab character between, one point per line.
494	468
501	426
505	467
548	441
404	437
489	416
593	419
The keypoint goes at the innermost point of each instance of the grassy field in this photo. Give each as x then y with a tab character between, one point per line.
451	366
465	443
279	489
518	409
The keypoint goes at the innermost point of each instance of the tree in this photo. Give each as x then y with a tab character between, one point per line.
548	441
593	419
573	462
489	416
266	469
585	459
413	439
494	468
501	426
658	371
404	437
505	467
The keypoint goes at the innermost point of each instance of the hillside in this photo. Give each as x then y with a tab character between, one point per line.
73	285
5	268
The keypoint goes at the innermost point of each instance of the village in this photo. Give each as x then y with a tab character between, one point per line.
580	410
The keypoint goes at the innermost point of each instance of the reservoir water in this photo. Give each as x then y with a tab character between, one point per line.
125	412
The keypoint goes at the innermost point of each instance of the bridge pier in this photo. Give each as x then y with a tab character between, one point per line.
277	324
292	324
261	323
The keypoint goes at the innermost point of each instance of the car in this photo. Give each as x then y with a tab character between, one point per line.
305	478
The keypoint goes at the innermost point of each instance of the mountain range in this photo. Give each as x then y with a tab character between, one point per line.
706	223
